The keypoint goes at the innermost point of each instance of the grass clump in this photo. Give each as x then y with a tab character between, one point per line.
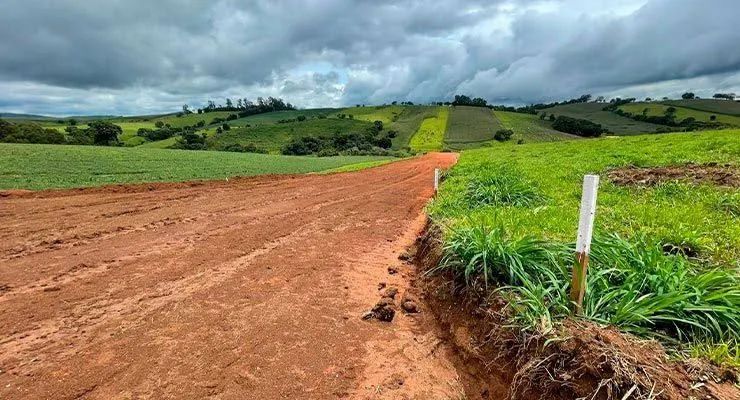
500	186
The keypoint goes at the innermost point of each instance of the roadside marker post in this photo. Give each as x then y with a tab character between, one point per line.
583	241
436	180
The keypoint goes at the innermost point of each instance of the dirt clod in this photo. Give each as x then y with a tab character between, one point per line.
410	307
390	292
384	310
392	270
720	175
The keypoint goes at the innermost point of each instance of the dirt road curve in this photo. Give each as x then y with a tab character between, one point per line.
247	289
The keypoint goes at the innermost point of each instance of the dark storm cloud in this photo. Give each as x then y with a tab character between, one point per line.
140	55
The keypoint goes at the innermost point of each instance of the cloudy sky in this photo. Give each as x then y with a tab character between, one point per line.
66	57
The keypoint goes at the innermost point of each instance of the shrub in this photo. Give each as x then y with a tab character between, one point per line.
232	117
239	148
503	135
29	133
580	127
105	133
301	118
328	152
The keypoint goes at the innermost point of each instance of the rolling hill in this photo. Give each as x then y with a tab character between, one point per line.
708	105
594	112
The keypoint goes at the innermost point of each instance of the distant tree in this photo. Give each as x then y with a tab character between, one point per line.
72	121
543	115
226	126
725	96
186	109
105	133
665	98
648	99
229	104
552	117
394	103
159	124
600	99
378	125
712	117
688	96
301	118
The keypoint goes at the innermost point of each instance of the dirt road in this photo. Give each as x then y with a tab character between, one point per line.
243	289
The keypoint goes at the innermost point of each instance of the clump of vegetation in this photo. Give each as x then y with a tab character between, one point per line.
101	133
371	141
576	126
503	135
500	186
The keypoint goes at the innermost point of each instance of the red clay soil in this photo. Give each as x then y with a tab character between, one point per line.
244	289
715	174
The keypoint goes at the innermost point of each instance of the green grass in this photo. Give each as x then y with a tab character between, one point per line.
594	112
386	114
530	128
273	117
431	133
471	125
681	113
36	166
273	137
708	105
509	215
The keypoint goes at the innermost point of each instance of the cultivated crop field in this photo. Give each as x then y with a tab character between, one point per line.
594	112
530	128
431	133
35	166
408	122
708	105
272	137
470	125
681	113
664	260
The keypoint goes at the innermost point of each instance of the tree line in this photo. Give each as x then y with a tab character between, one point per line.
100	133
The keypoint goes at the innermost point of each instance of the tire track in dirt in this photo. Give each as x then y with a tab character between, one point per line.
252	290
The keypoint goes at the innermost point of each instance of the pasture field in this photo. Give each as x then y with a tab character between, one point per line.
386	114
708	105
275	116
594	112
431	133
530	128
273	137
470	125
664	259
681	113
37	166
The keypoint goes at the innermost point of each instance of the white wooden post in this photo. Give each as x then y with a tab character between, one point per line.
436	180
583	241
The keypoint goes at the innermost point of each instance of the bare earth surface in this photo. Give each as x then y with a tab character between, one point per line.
243	289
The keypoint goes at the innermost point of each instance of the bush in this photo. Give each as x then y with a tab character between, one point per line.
503	135
232	117
190	140
328	152
105	133
29	133
301	118
575	126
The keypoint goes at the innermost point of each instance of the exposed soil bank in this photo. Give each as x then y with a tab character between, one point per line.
580	360
715	174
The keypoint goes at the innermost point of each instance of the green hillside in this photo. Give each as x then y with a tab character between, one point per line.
470	126
431	133
708	105
408	122
386	114
271	137
658	109
594	112
530	128
275	116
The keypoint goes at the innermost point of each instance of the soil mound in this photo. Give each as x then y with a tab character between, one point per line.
715	174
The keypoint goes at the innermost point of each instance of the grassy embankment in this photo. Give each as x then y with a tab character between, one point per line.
35	166
509	215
